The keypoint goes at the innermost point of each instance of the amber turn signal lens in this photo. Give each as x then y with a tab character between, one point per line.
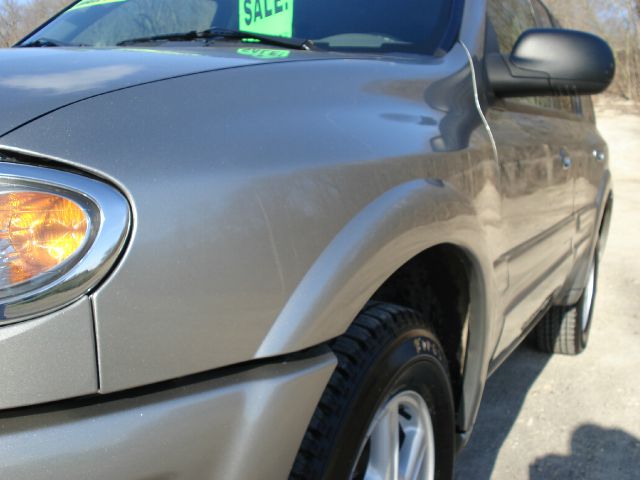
38	232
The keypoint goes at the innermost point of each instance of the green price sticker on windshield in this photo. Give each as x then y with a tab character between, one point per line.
264	53
268	17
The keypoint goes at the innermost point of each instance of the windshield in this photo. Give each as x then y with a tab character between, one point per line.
417	26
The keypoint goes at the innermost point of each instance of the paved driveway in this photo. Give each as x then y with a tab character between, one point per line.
552	417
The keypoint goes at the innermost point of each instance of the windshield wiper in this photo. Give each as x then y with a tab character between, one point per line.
225	33
47	42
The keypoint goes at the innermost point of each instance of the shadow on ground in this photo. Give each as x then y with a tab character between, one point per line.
503	398
597	453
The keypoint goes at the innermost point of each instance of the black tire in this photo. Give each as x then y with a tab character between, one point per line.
387	350
565	330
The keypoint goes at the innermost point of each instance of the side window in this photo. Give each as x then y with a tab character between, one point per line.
510	18
567	104
542	14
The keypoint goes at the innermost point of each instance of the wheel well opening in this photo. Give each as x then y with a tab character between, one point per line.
606	216
438	278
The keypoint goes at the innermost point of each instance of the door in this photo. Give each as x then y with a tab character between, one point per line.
536	139
589	165
589	170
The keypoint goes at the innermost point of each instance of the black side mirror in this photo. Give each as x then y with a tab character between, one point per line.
552	62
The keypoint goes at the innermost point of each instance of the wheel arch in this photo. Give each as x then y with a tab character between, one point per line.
449	274
422	222
605	222
577	280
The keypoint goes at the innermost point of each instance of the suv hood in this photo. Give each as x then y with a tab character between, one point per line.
36	81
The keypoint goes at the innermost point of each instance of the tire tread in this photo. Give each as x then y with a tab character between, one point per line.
556	332
355	350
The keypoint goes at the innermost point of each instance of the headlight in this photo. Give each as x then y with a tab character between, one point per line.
38	232
60	233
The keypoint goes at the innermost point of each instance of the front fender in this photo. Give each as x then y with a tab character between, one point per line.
254	202
389	232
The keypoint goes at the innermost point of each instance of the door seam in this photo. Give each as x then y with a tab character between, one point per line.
476	97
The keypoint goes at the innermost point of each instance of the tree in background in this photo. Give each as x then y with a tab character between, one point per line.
619	22
17	18
10	20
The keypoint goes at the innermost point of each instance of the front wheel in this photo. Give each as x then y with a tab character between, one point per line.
388	410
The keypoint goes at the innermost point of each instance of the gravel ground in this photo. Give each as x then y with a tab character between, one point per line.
553	417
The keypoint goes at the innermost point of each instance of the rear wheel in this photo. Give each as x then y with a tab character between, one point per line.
566	329
388	410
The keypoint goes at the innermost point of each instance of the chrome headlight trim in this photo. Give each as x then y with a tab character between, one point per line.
109	226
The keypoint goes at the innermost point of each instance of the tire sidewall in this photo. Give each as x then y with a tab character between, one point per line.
582	335
412	361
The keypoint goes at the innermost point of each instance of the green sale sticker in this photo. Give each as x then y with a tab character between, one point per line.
268	17
264	53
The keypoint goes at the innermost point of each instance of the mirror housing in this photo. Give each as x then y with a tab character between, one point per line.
552	62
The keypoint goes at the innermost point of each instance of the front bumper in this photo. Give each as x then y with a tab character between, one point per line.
244	425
